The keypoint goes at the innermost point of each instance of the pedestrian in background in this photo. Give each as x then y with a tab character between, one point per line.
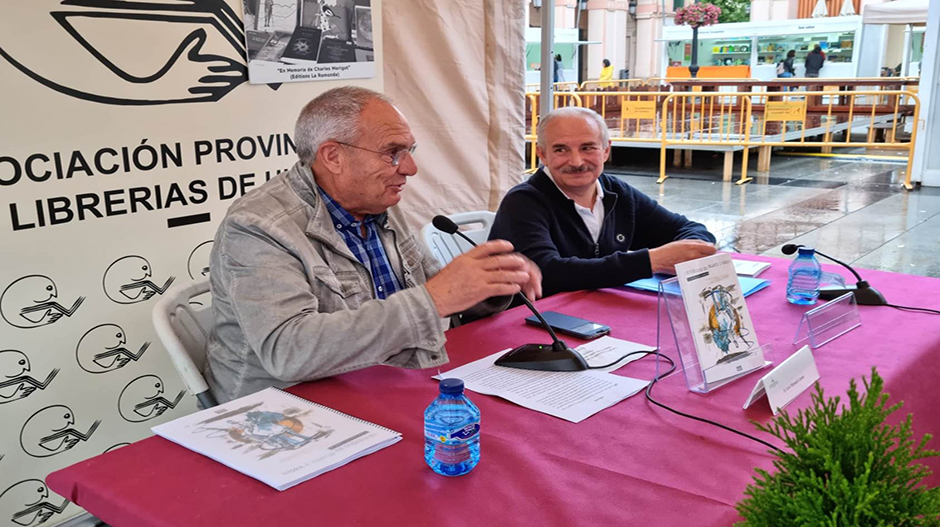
814	62
559	70
607	74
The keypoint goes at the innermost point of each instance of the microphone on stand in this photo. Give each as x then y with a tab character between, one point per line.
865	294
544	357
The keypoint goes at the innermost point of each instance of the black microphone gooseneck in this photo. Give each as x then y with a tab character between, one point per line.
865	294
557	357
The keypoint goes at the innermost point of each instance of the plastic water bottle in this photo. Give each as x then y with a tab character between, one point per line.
805	275
452	431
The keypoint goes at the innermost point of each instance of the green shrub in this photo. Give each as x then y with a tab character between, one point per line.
844	469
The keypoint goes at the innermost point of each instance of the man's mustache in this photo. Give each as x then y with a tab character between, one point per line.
577	169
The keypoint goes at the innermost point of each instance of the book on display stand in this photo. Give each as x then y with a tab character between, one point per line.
711	326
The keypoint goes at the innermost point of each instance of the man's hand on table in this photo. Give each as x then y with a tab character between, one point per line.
664	259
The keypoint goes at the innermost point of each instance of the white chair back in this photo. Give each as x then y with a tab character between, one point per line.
183	327
445	247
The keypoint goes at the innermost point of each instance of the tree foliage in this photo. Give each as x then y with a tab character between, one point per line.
844	469
733	10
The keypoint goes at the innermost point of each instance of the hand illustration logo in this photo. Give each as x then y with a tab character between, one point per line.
127	281
14	383
103	348
29	302
80	56
49	432
27	500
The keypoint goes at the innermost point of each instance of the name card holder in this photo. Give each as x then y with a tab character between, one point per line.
787	381
672	318
829	321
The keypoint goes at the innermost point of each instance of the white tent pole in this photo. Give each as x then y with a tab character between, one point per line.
548	61
906	56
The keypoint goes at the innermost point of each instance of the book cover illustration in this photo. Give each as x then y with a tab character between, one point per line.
725	328
256	40
274	47
304	45
364	27
263	432
721	325
333	51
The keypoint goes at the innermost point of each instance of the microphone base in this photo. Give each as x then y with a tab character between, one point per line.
543	357
864	296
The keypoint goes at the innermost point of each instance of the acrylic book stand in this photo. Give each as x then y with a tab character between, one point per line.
825	323
671	315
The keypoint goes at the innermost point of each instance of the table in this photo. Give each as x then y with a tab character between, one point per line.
630	464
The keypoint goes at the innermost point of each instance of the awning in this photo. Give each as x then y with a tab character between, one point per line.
897	12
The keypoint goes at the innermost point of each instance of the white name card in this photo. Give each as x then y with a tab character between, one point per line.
785	382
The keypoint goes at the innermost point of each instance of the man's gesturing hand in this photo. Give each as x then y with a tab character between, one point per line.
664	259
485	271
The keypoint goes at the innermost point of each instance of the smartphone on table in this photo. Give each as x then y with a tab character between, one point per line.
569	325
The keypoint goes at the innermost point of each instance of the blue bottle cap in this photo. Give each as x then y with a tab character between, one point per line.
451	386
807	251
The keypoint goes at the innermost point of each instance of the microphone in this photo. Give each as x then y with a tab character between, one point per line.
554	357
865	294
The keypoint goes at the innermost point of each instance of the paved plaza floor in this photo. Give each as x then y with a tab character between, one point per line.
853	210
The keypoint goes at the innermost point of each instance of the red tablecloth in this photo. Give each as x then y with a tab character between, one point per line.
630	464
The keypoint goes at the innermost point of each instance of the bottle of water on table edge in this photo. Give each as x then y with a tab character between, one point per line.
452	431
804	277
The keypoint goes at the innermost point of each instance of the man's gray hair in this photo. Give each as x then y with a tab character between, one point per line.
573	111
334	115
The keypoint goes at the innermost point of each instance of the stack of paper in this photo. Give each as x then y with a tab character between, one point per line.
749	268
573	396
276	437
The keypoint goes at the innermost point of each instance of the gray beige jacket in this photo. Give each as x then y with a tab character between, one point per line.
291	302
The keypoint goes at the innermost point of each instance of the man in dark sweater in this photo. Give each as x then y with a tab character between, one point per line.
814	62
586	229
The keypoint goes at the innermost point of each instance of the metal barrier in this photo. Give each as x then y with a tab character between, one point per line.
733	121
630	116
556	86
617	84
715	120
768	119
667	81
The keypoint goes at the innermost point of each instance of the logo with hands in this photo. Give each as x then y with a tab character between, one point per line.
15	382
128	280
50	431
103	50
31	302
27	503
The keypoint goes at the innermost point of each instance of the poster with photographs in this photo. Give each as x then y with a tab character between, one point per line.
308	40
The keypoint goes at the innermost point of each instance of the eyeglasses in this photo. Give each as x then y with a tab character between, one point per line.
395	156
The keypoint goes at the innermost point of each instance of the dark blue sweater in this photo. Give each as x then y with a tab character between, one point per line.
542	223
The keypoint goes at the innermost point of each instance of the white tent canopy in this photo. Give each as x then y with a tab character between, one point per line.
897	12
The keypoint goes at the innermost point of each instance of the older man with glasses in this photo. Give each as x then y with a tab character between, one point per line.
313	274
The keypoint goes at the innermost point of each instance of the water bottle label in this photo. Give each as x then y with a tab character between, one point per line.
466	433
461	435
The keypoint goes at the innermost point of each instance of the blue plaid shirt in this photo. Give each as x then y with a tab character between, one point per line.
369	250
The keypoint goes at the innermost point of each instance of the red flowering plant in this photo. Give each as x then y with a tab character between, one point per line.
697	15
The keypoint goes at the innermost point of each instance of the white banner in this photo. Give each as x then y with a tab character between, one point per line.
128	129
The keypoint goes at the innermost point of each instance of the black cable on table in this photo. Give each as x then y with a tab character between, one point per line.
672	368
908	308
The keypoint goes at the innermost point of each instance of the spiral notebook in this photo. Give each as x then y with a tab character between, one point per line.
277	438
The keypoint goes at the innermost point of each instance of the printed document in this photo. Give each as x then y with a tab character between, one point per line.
573	396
